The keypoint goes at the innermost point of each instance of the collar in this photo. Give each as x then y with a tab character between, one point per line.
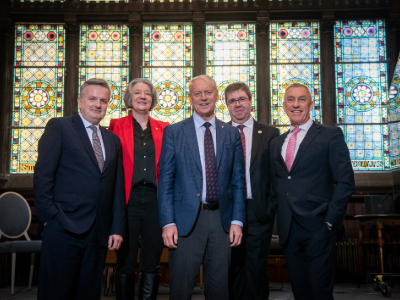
249	123
137	123
87	123
199	122
304	127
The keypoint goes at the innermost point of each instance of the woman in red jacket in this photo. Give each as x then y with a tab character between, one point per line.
141	139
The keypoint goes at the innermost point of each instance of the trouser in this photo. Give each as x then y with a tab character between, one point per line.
144	230
209	244
71	265
310	257
248	275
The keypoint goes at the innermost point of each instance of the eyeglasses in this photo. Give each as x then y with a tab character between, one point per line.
240	100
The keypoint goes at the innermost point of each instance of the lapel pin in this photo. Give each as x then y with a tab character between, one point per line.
222	126
156	128
259	131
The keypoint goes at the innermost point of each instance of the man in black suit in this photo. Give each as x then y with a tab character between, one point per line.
249	264
312	181
79	196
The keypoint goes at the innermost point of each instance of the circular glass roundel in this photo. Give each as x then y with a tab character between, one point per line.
38	98
221	104
362	93
170	98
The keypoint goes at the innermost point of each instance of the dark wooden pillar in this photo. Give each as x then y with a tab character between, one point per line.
199	45
263	68
71	87
135	50
328	95
393	44
6	102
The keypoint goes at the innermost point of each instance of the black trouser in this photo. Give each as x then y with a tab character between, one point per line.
144	229
71	265
248	276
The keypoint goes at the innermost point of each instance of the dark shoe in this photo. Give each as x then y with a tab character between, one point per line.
148	286
124	286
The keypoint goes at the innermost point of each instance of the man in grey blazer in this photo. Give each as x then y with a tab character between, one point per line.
312	180
249	267
201	194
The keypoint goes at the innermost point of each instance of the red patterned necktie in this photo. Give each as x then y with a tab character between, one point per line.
211	168
291	146
243	138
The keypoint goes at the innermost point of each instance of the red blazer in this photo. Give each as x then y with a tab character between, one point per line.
123	128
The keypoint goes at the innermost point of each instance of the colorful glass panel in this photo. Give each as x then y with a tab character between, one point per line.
231	57
394	117
38	89
167	63
361	90
295	58
104	54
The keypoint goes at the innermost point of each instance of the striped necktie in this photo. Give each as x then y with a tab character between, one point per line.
97	147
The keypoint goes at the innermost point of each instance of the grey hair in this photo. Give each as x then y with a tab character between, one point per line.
94	81
129	89
296	85
206	78
235	87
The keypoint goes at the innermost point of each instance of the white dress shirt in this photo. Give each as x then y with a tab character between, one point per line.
300	137
90	132
248	134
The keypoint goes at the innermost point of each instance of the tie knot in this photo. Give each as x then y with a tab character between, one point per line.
296	130
207	124
93	127
241	127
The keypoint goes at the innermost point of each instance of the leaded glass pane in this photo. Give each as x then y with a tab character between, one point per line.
231	57
38	89
294	57
104	54
394	116
168	65
361	90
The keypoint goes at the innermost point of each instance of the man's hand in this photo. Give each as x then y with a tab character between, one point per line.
114	242
170	236
235	235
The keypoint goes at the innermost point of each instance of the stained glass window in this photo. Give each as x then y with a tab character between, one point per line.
295	58
394	117
231	57
38	89
104	54
167	63
361	90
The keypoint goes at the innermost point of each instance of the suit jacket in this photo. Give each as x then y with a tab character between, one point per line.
68	182
181	178
260	173
123	128
319	184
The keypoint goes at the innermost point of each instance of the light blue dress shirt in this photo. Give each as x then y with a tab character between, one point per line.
90	132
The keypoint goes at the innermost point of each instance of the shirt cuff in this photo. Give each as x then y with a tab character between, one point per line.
169	224
235	222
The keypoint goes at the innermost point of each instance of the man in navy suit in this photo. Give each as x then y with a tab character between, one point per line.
312	181
79	196
201	195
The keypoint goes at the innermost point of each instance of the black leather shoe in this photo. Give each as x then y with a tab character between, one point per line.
148	286
124	286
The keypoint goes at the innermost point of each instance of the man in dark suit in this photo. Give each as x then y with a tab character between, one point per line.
201	194
79	196
249	266
312	180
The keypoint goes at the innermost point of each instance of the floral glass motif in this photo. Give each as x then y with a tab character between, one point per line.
394	118
231	57
295	58
167	63
104	54
38	89
361	90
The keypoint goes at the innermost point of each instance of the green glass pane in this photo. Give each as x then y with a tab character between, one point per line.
167	63
231	57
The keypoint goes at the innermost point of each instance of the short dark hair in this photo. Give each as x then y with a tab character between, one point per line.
128	92
237	86
94	81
